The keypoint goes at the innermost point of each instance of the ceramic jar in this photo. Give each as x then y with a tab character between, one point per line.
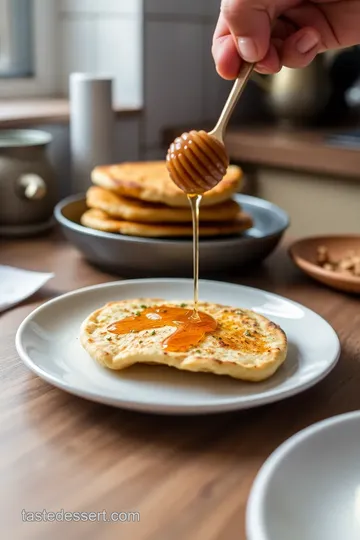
27	180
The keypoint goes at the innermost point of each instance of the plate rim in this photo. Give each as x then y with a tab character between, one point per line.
168	409
255	201
254	518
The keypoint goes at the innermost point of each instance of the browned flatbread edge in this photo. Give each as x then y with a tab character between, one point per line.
157	186
120	207
99	220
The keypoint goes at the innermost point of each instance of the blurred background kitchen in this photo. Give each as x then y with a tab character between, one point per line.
294	134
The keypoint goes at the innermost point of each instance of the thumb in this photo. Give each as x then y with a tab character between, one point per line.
250	25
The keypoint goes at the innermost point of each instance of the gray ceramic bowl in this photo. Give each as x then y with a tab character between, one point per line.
134	256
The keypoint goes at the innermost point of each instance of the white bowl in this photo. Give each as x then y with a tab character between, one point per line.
309	488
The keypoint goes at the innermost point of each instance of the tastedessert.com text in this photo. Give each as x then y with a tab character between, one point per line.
63	515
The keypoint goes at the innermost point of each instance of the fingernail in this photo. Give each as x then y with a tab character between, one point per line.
306	43
261	69
247	49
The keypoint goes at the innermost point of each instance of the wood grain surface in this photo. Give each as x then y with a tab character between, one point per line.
188	477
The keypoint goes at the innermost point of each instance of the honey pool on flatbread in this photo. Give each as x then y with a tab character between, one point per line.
190	330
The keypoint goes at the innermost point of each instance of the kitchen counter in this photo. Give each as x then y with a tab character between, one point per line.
188	477
316	182
16	113
288	148
299	149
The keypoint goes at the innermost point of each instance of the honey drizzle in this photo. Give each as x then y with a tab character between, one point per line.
195	201
191	325
189	332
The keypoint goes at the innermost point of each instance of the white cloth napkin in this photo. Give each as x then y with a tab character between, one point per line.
17	284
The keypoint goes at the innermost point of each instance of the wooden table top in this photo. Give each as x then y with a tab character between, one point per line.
188	477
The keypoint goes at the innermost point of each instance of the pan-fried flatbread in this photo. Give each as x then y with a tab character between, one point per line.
120	207
97	219
245	345
150	181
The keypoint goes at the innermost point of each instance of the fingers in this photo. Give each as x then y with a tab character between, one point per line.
300	48
245	27
282	29
272	61
236	31
250	25
224	51
226	57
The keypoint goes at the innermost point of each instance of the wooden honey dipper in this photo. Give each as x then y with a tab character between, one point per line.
197	161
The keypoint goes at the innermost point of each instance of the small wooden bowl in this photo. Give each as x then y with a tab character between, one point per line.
304	253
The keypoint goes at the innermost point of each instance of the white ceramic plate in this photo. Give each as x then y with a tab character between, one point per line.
309	488
47	341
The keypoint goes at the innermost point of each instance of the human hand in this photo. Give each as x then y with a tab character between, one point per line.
276	33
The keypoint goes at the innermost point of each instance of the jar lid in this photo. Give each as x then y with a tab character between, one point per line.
23	137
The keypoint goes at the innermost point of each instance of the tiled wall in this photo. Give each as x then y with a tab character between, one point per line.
181	85
160	54
103	37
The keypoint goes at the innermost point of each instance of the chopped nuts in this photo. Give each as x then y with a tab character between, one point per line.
348	264
322	255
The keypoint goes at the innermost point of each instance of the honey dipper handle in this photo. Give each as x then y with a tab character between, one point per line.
236	91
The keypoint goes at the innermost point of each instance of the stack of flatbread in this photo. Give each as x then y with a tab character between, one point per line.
140	199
